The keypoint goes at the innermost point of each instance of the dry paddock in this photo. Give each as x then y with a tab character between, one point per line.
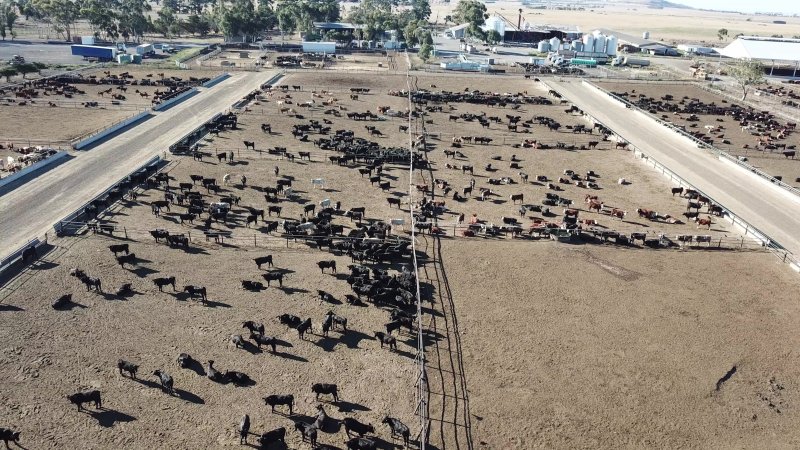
773	163
600	340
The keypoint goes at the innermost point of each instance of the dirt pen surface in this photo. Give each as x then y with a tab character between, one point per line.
43	125
600	340
609	348
771	162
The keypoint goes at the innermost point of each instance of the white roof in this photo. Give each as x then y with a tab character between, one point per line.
763	48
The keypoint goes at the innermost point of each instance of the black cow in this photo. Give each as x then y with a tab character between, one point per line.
126	366
119	248
164	281
271	437
275	400
85	397
351	424
397	428
273	276
327	389
327	265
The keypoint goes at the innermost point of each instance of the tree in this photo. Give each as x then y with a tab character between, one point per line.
747	73
101	17
8	15
166	21
426	49
493	37
722	33
8	72
62	14
421	9
132	18
472	12
242	19
27	68
195	24
377	18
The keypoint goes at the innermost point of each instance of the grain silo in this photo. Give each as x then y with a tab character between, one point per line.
611	45
543	47
646	35
600	43
555	43
588	42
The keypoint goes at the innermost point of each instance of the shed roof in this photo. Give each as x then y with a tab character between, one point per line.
763	48
337	26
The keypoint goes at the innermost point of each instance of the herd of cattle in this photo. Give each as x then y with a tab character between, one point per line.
768	132
65	86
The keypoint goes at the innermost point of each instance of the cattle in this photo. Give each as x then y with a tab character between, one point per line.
254	327
249	144
244	429
325	389
196	292
638	237
517	197
92	282
8	435
184	360
164	281
309	432
273	276
263	260
386	339
703	222
166	382
353	425
618	213
186	217
126	259
274	209
214	374
327	265
359	443
283	400
397	428
393	201
119	248
289	320
271	437
85	397
260	340
159	234
677	190
252	285
126	366
304	327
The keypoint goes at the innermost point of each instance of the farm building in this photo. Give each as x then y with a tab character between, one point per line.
780	55
633	44
521	32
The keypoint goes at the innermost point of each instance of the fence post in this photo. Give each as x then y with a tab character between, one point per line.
125	229
255	242
190	235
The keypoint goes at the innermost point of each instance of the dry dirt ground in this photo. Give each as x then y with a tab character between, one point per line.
43	125
773	163
612	348
48	354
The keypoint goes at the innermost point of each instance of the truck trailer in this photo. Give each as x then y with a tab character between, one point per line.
93	51
628	61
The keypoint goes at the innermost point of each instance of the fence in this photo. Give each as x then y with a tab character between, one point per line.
9	260
94	136
35	167
775	106
163	106
700	144
63	225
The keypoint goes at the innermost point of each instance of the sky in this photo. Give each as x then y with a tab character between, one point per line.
747	6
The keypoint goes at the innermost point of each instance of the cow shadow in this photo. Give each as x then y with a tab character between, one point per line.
215	304
273	446
142	272
251	348
290	356
352	338
197	368
189	397
4	307
290	290
345	406
327	343
107	418
43	265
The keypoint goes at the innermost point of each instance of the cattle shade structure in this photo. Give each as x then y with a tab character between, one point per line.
773	52
319	47
337	26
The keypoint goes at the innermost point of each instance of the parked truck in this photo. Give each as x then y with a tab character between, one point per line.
93	51
145	49
628	61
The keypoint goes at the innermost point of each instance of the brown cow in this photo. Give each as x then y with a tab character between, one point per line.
703	222
616	212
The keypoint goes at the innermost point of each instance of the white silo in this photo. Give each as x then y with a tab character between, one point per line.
646	35
576	45
588	42
600	43
611	46
544	46
555	43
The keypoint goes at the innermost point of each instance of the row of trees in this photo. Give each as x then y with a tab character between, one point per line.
21	69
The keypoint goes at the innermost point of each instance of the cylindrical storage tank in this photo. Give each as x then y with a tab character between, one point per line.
588	42
646	35
611	46
544	46
600	44
577	46
555	43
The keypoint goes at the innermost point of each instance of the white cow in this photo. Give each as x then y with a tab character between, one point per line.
226	179
318	182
